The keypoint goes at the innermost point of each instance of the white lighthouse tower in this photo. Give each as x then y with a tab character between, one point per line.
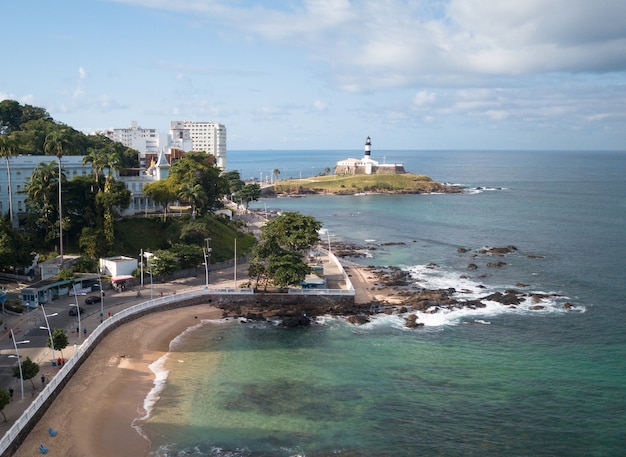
368	149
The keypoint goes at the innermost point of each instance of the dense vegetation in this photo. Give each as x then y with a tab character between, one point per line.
91	205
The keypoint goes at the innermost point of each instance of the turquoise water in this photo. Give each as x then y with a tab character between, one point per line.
492	382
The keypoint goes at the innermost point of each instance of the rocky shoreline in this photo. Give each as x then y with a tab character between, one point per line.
393	292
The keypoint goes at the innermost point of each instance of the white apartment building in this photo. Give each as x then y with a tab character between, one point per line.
209	137
22	168
146	141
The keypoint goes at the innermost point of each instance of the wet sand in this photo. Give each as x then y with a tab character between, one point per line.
94	413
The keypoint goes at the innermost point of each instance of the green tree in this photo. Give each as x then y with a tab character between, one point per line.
115	195
60	339
8	148
97	159
163	263
189	256
15	248
248	193
278	257
276	173
292	231
29	370
197	169
57	143
5	399
287	268
10	116
234	180
41	200
194	195
93	242
161	192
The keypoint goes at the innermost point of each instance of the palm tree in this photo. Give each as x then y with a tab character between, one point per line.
56	143
112	162
276	172
96	158
193	194
8	148
40	190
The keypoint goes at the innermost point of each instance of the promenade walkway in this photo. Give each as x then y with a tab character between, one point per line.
28	326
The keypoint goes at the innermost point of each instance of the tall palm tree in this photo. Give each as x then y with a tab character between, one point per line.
276	172
95	157
194	194
41	192
112	162
56	143
8	148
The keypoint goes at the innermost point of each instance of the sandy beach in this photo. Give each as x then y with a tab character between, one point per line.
93	414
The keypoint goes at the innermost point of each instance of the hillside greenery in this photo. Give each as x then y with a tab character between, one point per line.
92	226
351	184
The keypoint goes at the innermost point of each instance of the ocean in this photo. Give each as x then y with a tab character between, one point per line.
536	380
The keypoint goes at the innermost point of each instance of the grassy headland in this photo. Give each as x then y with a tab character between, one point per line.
407	183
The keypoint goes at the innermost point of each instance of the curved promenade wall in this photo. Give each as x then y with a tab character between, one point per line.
15	436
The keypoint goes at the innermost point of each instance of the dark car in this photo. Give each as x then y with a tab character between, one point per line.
73	311
93	299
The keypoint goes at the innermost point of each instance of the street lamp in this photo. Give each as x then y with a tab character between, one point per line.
207	260
59	155
19	361
47	327
77	309
101	298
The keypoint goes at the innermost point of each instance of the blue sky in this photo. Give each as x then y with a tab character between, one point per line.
324	74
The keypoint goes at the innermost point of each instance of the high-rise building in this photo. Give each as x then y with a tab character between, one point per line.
209	137
146	141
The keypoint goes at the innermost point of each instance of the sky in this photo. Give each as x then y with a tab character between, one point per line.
325	74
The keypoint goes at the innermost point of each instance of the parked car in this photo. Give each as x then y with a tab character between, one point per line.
93	299
74	313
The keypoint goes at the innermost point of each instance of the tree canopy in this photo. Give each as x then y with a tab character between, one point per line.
279	256
60	340
29	370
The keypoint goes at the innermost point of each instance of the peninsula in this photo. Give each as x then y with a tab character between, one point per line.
362	176
406	183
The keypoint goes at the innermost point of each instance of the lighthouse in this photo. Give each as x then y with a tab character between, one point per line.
368	149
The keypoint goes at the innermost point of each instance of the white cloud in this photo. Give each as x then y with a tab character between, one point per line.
320	105
423	97
82	73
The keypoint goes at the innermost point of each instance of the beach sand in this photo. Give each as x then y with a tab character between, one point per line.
94	413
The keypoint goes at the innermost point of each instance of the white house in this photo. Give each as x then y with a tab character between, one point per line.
118	266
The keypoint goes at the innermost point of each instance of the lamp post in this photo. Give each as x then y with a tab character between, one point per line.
207	260
60	214
19	361
77	309
47	327
101	299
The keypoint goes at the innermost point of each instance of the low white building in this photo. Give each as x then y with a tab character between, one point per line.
118	266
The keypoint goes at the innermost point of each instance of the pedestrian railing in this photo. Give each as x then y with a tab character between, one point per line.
84	349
